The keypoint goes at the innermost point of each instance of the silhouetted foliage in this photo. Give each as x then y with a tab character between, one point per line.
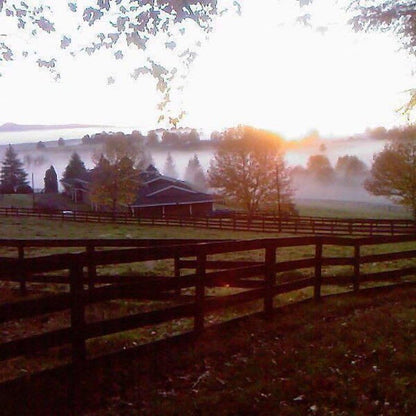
23	189
118	145
40	145
114	184
397	16
170	169
122	28
395	133
171	138
12	174
393	174
75	168
379	133
350	167
51	181
195	174
50	203
193	137
216	136
320	168
114	179
86	139
152	138
248	170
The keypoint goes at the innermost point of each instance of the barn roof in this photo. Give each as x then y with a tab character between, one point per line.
159	190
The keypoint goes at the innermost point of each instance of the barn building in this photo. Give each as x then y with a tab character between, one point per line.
162	196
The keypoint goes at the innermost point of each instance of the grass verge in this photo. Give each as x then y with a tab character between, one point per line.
348	355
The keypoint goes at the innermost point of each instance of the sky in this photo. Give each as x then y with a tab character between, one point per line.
259	68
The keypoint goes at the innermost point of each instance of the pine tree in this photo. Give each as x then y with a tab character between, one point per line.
169	168
75	168
195	174
12	174
51	181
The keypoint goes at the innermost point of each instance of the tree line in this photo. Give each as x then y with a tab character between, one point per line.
248	171
348	170
177	138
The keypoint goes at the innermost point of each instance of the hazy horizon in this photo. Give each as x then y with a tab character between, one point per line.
298	78
37	161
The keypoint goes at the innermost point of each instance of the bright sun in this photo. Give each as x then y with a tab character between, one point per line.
293	79
260	69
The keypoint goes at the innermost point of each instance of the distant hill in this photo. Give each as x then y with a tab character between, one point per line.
27	127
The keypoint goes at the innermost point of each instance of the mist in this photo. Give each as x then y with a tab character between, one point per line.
37	161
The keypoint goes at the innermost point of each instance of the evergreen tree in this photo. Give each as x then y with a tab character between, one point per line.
169	168
51	181
12	174
75	168
195	174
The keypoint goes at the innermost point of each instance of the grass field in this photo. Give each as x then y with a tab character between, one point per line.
305	207
350	209
346	356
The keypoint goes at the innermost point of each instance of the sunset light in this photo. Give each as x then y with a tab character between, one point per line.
262	69
207	207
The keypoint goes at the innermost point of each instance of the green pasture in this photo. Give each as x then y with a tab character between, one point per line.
28	228
350	209
305	207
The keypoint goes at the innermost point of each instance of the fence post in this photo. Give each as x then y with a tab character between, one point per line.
200	292
177	272
92	270
356	278
23	272
78	335
318	270
269	279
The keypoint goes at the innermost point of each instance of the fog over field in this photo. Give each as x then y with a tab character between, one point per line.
36	160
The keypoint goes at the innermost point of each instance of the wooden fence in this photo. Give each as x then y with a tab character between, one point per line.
236	222
197	266
255	279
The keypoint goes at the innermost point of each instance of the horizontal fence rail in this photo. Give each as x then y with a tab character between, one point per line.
197	266
235	222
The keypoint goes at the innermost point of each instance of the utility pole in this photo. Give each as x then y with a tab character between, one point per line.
33	192
279	209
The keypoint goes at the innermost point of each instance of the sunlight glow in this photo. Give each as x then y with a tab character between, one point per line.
294	79
260	69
